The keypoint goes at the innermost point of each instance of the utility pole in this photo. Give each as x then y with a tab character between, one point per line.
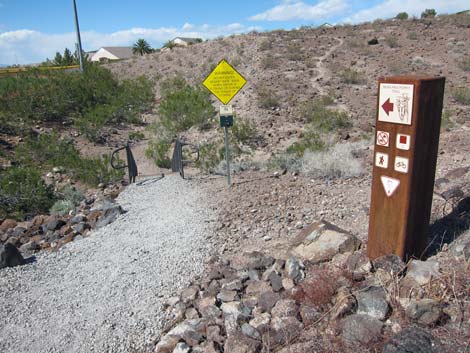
79	41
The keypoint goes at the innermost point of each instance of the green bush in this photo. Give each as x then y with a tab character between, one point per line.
184	106
23	193
462	95
158	150
243	130
91	100
310	141
391	41
464	64
267	99
136	136
352	76
210	155
402	16
428	13
62	207
48	150
322	117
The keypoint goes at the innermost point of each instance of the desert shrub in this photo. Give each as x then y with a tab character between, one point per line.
428	13
351	76
158	150
402	16
288	161
243	130
136	136
462	95
310	141
269	62
294	52
413	35
266	44
267	98
446	120
23	193
327	119
464	64
210	155
90	99
49	150
391	41
336	162
62	207
184	106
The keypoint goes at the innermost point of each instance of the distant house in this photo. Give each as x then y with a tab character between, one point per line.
326	25
184	42
112	53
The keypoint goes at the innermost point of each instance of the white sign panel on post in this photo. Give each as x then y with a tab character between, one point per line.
396	103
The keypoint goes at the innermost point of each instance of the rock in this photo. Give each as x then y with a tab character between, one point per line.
276	281
461	246
7	224
81	227
412	339
358	262
287	283
53	225
111	213
204	302
425	311
250	331
256	288
234	309
308	314
191	313
227	295
267	300
78	219
422	271
321	241
190	331
10	256
233	285
189	294
256	261
261	322
18	231
285	307
373	41
182	348
30	248
238	343
294	269
344	303
392	264
285	329
360	328
205	347
213	334
373	302
210	312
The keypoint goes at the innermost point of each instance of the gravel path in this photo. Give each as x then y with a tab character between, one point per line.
104	293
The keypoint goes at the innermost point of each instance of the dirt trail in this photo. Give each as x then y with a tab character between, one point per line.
323	72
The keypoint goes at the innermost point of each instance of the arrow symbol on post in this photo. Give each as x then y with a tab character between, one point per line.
387	106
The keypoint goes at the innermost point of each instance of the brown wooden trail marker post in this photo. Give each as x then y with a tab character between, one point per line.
405	155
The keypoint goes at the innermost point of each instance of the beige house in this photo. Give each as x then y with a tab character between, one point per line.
112	53
184	42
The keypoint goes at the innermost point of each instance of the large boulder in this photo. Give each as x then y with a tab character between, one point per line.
373	302
10	256
321	241
359	328
412	339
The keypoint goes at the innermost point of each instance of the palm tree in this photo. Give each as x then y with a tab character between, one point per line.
141	47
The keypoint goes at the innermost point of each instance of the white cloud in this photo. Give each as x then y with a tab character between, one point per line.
298	10
27	46
391	8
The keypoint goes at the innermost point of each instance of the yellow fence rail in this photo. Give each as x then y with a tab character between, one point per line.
16	70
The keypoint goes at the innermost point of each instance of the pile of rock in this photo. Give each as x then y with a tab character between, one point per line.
53	231
264	303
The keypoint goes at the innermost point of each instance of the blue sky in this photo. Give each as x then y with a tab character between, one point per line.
32	30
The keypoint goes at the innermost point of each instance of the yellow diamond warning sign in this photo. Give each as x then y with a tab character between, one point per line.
224	82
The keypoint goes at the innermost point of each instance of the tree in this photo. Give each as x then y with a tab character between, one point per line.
170	45
58	59
402	16
141	47
67	58
428	13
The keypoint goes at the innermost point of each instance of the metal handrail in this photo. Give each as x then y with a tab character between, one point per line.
177	162
131	164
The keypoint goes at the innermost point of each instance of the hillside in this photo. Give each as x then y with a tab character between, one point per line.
293	67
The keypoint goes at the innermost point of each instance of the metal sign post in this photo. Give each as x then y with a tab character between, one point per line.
225	82
405	155
226	121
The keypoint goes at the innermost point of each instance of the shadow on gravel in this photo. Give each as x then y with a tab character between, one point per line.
448	229
30	260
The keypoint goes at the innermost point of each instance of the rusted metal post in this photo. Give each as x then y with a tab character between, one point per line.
405	155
